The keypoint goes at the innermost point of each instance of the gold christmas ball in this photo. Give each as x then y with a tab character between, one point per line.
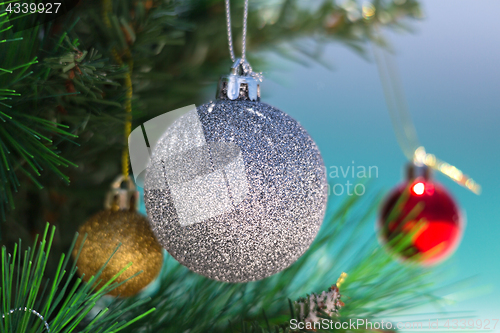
105	230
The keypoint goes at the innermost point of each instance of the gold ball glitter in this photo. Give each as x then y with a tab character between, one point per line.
105	230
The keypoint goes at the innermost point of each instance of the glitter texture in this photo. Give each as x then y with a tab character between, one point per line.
105	230
236	190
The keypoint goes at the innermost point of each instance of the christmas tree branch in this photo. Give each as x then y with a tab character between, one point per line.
35	97
25	307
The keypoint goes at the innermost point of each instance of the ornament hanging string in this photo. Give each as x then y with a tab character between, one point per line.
405	131
230	34
107	8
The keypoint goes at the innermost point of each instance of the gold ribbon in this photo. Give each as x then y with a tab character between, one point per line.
341	279
404	129
107	6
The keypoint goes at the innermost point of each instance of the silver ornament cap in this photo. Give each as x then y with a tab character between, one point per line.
416	170
241	84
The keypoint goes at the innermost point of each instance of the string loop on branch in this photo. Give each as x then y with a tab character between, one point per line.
33	312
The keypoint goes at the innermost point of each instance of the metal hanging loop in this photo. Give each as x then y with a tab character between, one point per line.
122	195
242	83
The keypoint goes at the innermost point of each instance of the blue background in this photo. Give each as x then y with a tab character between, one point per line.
450	70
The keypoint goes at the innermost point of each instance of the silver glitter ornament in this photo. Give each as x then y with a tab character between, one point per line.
236	190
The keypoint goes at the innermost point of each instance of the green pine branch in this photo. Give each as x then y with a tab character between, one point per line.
31	303
35	96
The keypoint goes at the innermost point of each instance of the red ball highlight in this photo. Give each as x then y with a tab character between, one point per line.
419	188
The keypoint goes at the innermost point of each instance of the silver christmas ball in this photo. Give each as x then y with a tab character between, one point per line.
236	191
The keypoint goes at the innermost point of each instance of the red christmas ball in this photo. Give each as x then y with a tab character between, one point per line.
420	221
